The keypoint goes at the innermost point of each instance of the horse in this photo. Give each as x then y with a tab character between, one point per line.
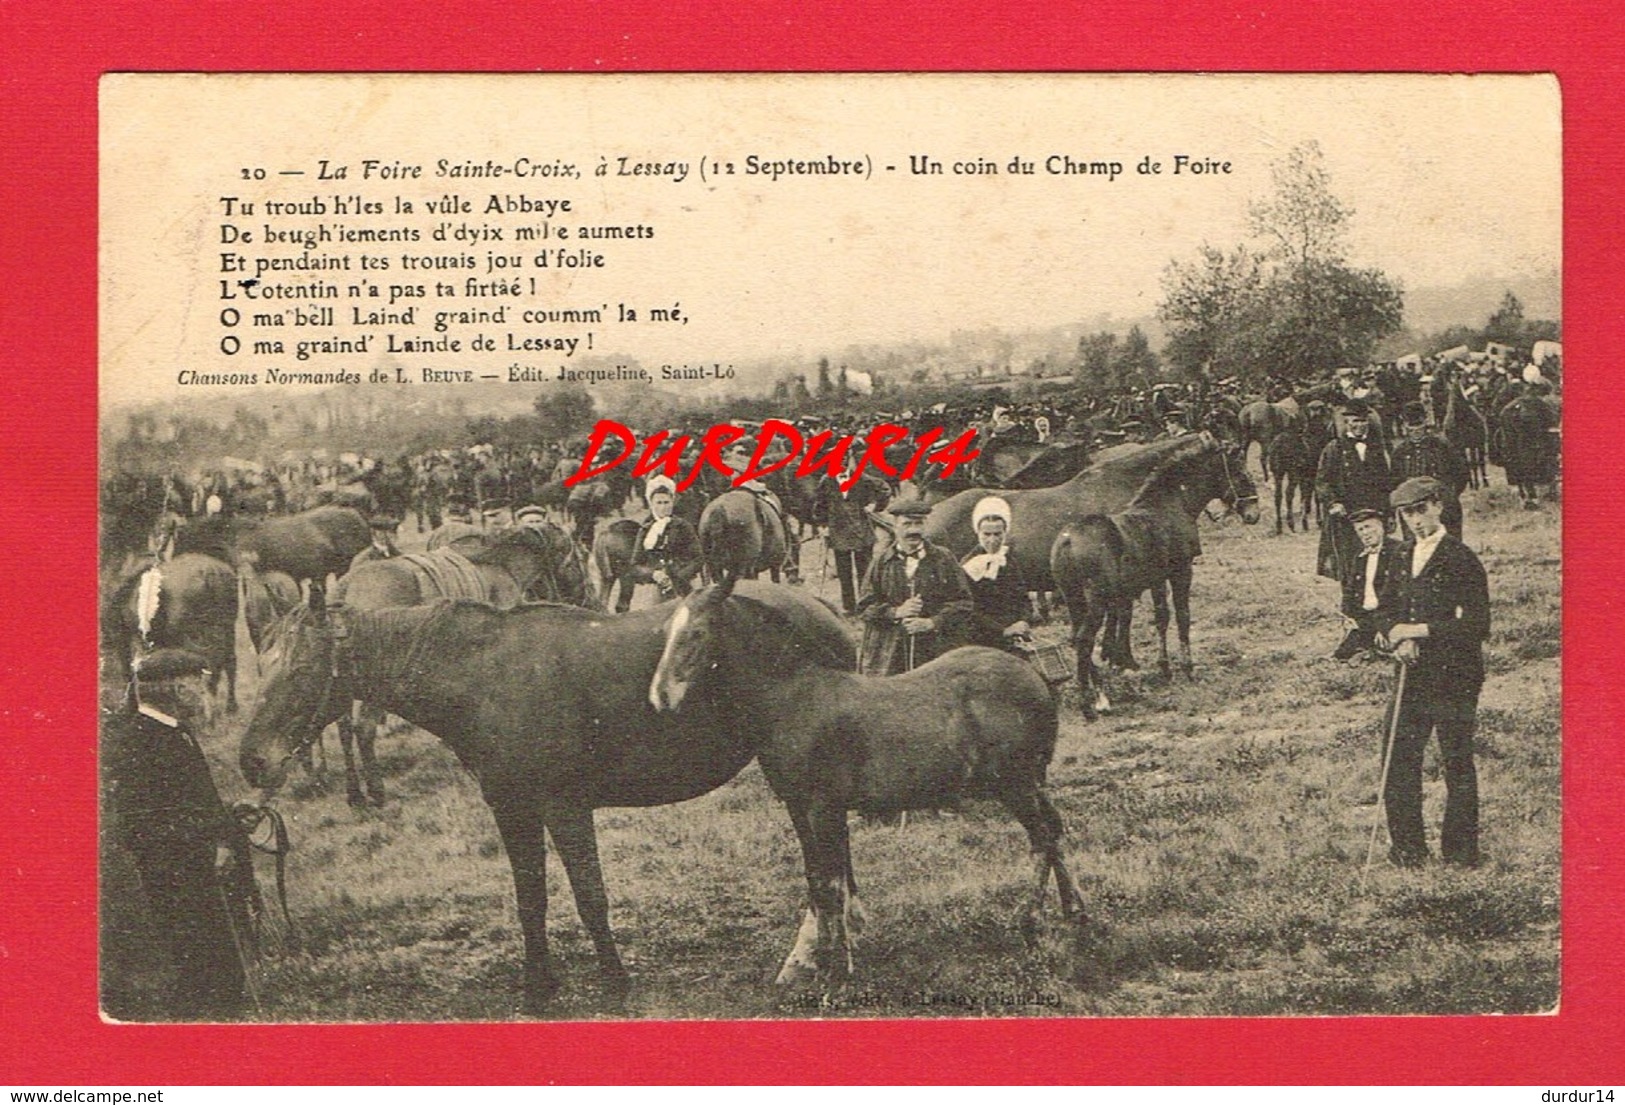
1039	514
1054	465
517	564
548	707
266	596
309	546
973	723
743	534
1294	457
188	602
1261	421
1103	562
613	549
1466	430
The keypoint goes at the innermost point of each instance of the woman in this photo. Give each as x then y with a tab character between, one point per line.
996	582
667	552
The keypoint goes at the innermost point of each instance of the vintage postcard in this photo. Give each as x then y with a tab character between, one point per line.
830	546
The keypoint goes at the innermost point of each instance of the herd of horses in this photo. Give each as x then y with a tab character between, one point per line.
502	648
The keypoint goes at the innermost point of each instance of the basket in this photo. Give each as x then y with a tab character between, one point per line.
1053	661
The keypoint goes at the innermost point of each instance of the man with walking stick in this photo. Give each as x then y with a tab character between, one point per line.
917	602
1435	615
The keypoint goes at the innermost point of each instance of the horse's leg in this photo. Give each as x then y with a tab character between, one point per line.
828	883
369	720
524	837
1044	830
1181	582
1089	619
1159	601
577	842
802	960
347	740
1280	488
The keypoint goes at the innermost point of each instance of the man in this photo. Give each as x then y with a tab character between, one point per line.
1528	426
1435	614
383	547
161	806
851	533
1426	453
666	552
1352	475
1364	582
531	517
917	600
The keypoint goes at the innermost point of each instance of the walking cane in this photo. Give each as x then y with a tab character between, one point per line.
1387	762
243	957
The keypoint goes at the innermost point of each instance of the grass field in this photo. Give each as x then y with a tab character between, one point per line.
1218	829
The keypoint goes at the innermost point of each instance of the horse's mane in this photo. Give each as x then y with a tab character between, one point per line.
1171	468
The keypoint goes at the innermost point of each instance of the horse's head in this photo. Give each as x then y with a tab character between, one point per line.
299	694
1240	494
692	635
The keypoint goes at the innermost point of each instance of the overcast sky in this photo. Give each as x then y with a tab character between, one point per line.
1450	178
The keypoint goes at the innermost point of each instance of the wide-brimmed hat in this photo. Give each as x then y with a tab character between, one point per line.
169	663
384	521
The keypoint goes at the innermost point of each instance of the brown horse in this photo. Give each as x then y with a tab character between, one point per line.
189	602
1038	515
1261	421
308	546
266	596
743	534
974	723
1103	563
613	549
512	566
548	706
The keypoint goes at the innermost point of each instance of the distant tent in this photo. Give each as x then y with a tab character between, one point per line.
1544	350
1454	353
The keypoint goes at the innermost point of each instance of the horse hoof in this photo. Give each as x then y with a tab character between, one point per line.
356	799
376	800
1165	669
1189	671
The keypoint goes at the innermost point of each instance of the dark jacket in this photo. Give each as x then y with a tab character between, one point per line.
1354	586
1452	597
848	522
677	551
946	595
1429	454
999	603
1342	477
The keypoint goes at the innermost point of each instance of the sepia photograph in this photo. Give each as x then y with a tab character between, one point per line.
786	546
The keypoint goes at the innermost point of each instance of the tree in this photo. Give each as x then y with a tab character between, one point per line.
564	411
1293	306
1095	362
1506	324
1133	364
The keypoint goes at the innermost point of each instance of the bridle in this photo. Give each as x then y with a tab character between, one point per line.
1234	499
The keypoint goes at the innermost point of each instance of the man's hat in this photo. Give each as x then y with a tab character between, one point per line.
1357	407
169	663
1417	489
909	508
1415	414
1363	513
526	513
384	521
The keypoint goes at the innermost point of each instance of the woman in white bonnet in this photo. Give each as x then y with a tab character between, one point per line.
995	581
667	550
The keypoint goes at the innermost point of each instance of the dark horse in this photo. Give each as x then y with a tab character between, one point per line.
189	602
1294	457
1038	515
308	546
743	534
1102	563
548	707
976	723
613	549
517	564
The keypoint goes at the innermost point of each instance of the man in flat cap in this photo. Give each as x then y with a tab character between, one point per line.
1352	475
917	601
382	547
1365	581
1424	452
1435	614
160	805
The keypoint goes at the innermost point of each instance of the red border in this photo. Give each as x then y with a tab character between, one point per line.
53	56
